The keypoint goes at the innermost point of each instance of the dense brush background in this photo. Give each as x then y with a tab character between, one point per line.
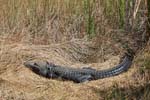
73	32
59	20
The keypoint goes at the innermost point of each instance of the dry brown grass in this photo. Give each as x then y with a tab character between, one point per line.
56	31
17	82
54	21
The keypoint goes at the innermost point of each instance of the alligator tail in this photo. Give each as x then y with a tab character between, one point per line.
122	67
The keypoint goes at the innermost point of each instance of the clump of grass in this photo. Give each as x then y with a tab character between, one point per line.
89	17
130	93
114	11
115	94
122	12
145	64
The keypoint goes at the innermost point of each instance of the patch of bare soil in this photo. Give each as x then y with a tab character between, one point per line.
19	83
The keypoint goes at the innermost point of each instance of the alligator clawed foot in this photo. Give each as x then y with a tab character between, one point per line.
84	78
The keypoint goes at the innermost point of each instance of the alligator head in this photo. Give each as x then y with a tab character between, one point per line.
41	68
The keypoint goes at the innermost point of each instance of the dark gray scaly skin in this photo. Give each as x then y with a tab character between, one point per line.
77	75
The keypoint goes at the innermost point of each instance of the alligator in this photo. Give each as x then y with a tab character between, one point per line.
77	75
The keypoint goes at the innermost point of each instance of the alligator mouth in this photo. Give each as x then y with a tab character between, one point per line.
33	67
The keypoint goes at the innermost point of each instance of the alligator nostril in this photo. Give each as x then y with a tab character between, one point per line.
48	68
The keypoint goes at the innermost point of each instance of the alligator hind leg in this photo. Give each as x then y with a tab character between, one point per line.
83	78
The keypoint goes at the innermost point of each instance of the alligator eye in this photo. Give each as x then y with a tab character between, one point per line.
36	64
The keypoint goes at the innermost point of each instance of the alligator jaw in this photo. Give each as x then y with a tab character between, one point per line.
33	66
